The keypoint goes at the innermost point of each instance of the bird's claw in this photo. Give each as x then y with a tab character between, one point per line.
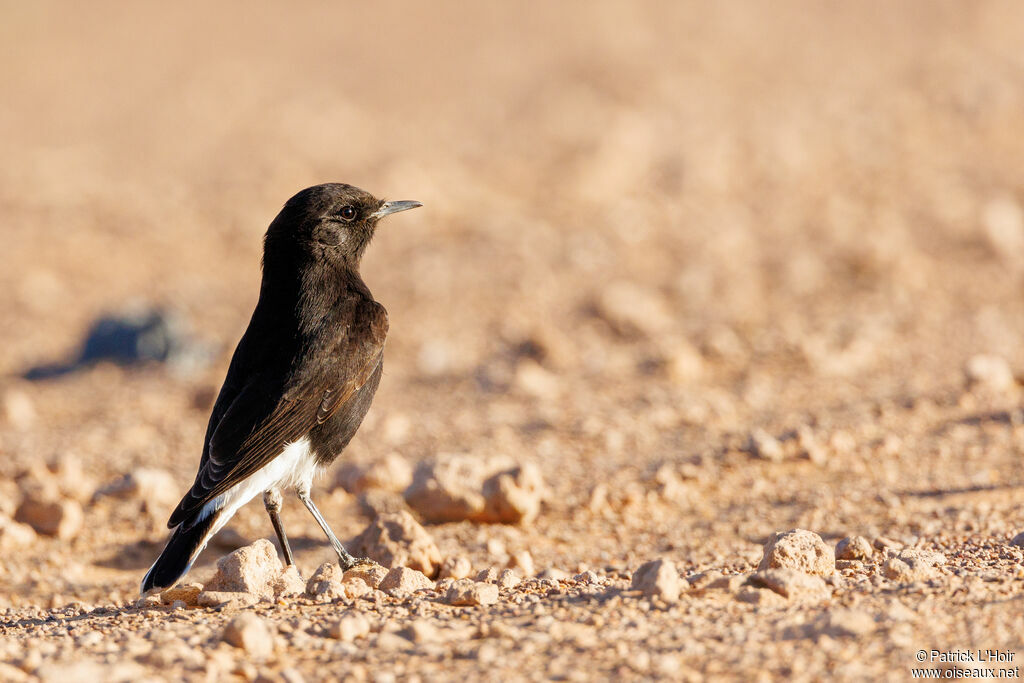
353	562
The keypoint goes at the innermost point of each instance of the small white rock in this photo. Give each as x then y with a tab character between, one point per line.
523	561
801	550
658	578
456	568
854	548
990	372
252	569
403	580
1003	221
350	627
250	633
791	584
467	592
508	579
61	517
289	583
326	582
15	535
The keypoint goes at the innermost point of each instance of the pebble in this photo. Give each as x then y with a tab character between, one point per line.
453	487
990	372
533	379
169	654
657	579
523	562
144	602
15	535
435	358
554	575
467	592
253	569
350	627
508	579
356	588
326	582
250	633
456	567
496	547
403	580
398	540
883	543
87	670
61	518
1018	540
684	363
489	575
185	592
844	623
12	674
631	308
370	574
701	580
790	583
514	496
157	487
388	641
834	623
10	497
760	596
19	410
912	565
1003	221
289	583
730	583
765	446
225	599
421	631
798	549
854	548
390	473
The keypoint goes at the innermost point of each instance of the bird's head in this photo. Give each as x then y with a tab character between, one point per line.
332	223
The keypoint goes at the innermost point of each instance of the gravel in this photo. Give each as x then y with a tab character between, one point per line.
712	289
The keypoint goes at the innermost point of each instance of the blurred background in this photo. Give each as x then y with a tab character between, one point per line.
657	238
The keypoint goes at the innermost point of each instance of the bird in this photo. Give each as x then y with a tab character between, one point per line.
300	380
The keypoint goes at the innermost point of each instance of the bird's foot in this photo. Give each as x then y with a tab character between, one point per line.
353	562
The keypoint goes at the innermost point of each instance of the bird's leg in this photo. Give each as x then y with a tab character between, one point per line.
346	560
272	501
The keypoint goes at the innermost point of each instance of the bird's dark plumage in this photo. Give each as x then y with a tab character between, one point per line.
305	370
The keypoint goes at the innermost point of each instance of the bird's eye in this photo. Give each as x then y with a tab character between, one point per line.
347	213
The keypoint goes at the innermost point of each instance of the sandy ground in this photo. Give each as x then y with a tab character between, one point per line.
718	270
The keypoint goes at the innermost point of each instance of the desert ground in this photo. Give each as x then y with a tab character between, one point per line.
687	276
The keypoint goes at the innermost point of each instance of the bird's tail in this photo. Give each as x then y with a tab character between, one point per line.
186	542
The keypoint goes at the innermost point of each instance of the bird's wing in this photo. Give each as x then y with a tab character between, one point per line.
260	422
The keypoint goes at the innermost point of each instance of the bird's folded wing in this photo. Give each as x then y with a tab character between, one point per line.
260	422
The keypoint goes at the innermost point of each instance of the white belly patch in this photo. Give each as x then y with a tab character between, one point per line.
295	466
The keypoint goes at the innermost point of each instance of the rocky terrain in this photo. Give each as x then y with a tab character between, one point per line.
705	356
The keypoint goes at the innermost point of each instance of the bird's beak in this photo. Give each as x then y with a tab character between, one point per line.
393	207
